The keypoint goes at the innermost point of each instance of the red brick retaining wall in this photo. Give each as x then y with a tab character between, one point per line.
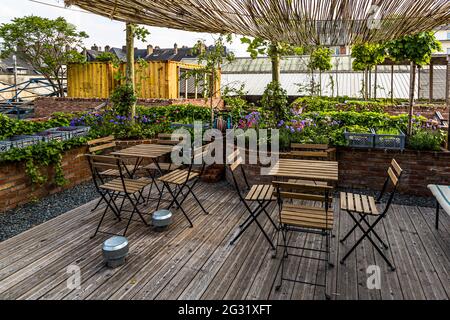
44	107
367	169
16	187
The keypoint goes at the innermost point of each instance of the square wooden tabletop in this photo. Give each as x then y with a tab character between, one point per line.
306	170
149	151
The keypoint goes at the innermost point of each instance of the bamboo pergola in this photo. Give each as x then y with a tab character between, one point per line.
299	22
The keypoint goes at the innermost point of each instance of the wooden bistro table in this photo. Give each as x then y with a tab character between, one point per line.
143	152
324	171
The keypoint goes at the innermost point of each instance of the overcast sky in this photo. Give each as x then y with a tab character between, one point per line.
103	31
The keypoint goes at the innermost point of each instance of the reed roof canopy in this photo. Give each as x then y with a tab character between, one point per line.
298	22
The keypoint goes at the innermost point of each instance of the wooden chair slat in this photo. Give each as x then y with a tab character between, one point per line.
102	147
393	177
396	167
100	140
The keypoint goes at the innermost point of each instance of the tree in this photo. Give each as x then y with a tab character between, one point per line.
367	56
320	59
46	44
274	50
211	60
417	49
132	31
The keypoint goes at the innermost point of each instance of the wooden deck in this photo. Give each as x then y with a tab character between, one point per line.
199	263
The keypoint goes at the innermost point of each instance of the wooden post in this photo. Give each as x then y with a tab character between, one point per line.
186	83
376	83
430	95
370	84
418	82
130	63
196	87
412	81
392	83
447	99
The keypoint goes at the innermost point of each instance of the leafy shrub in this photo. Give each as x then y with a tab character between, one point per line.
123	98
426	140
318	104
275	99
10	127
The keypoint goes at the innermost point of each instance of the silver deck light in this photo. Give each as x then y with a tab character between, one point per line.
115	251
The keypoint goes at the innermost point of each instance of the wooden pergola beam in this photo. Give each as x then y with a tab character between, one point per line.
299	22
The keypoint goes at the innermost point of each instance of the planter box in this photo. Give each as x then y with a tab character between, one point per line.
19	142
360	140
70	132
390	141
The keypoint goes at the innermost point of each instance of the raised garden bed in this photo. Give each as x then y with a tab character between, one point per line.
390	139
54	134
359	139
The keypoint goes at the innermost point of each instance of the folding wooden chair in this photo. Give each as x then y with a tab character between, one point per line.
122	187
299	217
177	181
365	207
261	194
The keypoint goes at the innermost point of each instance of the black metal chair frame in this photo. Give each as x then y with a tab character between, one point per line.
285	228
110	196
371	226
189	184
253	214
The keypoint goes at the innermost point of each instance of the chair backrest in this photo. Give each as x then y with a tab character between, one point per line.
293	190
300	191
319	151
98	164
171	139
394	174
235	162
102	145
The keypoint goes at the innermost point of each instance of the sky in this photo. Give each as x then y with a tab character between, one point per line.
103	31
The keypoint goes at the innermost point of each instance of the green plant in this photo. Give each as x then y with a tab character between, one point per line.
123	99
426	140
107	57
235	103
39	157
388	131
275	99
48	45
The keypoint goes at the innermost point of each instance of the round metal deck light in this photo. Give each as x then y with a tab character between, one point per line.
162	219
115	251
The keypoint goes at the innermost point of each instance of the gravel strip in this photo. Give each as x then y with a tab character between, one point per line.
25	217
32	214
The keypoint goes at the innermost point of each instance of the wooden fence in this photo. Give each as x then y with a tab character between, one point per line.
154	80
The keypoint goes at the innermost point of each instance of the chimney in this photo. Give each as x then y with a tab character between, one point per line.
157	48
175	49
107	48
124	48
149	50
99	48
94	47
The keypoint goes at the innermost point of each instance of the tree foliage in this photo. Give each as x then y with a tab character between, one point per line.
320	59
416	48
46	44
367	55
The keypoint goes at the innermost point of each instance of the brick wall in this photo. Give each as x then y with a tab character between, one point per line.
367	169
44	107
16	188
